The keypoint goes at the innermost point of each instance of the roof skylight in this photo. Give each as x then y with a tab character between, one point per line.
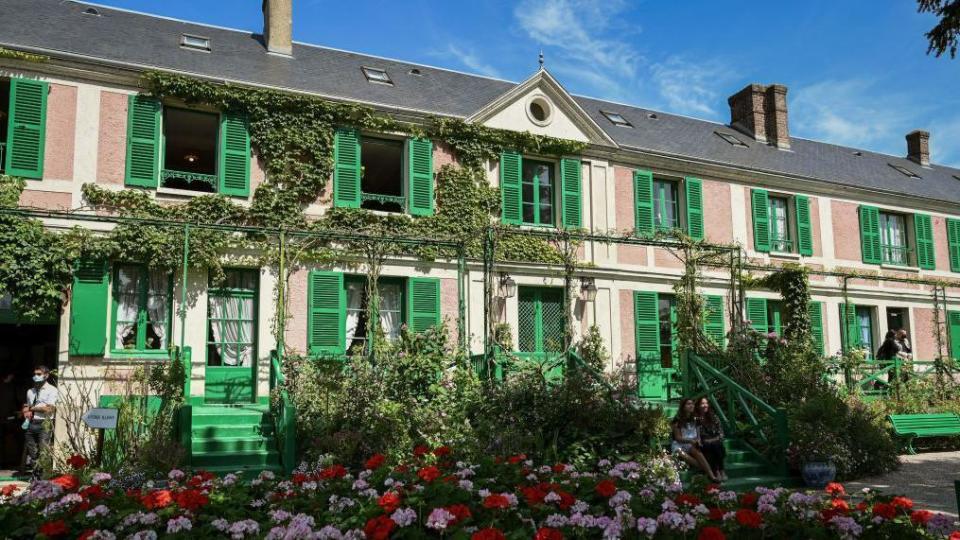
197	43
616	119
957	176
904	171
731	138
376	75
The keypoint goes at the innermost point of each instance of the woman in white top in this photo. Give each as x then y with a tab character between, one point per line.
686	438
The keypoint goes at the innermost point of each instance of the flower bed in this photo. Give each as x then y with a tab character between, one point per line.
432	494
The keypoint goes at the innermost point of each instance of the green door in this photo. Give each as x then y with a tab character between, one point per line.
231	373
953	320
540	332
650	375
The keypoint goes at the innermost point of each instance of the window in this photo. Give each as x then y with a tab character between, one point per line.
539	110
189	149
904	171
537	192
232	319
381	187
616	119
897	318
780	239
666	205
541	321
4	119
856	328
731	138
141	309
865	329
893	239
775	317
391	312
197	43
667	315
375	75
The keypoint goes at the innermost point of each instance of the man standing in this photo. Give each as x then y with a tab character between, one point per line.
41	406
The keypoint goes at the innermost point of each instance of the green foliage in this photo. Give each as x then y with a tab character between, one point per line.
945	36
592	349
793	283
25	56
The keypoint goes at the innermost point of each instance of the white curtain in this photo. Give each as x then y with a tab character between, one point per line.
232	332
126	292
390	315
354	308
158	305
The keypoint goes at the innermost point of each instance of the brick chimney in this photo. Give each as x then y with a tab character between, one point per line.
918	147
761	112
278	26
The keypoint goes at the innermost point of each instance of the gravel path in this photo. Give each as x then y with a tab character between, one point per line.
925	478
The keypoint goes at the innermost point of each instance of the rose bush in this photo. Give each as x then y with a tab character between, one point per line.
434	494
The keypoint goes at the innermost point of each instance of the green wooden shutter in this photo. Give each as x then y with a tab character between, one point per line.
420	176
713	320
510	171
815	310
761	220
757	314
346	168
804	231
88	309
26	128
923	234
694	187
870	234
953	240
326	313
647	315
234	155
643	202
849	328
572	197
423	303
143	141
953	321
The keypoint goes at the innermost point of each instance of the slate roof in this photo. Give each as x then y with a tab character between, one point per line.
146	41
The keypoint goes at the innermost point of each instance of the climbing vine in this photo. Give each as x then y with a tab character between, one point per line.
793	283
25	56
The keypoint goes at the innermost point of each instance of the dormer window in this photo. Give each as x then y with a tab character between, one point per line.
376	75
616	119
731	138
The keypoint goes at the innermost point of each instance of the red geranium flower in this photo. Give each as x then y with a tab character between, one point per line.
92	492
566	500
716	514
829	513
333	471
442	451
401	469
68	482
884	510
199	478
51	529
546	533
711	533
77	461
533	494
835	489
955	535
748	499
459	511
513	460
606	488
86	534
902	503
190	499
686	498
429	474
861	506
157	499
920	517
379	528
389	501
8	490
712	488
749	518
488	534
559	468
375	461
496	500
420	450
840	505
298	478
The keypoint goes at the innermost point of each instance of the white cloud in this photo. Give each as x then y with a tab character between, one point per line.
470	60
692	88
945	141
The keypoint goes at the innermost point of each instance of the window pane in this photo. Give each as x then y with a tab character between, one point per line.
158	311
893	238
665	204
779	225
864	322
127	296
537	182
356	331
391	316
546	213
528	213
527	314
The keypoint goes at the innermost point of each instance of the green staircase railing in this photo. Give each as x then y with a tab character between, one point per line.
185	410
761	427
283	413
883	378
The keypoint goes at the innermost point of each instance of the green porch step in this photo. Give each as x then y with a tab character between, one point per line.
230	438
248	459
201	445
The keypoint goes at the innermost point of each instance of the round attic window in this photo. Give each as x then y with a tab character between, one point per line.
539	110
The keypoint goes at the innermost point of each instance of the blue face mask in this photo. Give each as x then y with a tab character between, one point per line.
38	378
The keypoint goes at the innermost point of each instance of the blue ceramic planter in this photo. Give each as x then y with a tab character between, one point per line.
817	474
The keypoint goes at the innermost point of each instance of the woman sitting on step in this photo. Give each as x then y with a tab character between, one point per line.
686	438
711	437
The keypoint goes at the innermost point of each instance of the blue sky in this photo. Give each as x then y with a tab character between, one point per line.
857	70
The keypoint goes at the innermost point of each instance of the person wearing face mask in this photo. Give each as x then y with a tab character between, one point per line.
38	413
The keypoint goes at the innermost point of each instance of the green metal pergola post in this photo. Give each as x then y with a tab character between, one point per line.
282	297
461	301
183	311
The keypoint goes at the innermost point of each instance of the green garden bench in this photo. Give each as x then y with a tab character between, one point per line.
912	426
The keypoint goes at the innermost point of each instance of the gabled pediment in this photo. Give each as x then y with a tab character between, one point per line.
541	106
